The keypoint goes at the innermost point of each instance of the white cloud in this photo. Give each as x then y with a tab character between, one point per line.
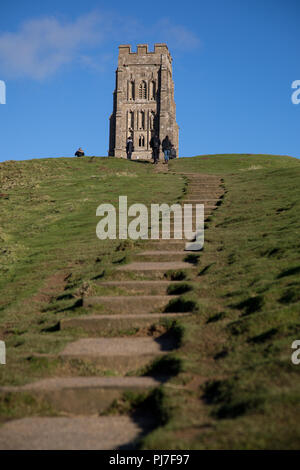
42	46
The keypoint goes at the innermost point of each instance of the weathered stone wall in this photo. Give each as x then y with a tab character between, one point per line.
143	100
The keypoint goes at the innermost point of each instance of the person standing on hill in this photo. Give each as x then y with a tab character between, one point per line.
166	147
129	147
155	144
79	153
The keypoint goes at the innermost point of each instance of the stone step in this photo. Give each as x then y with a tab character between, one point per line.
204	201
166	245
207	210
179	235
155	266
179	231
216	193
160	252
155	255
143	275
205	178
73	433
188	220
117	324
83	395
120	354
127	304
196	200
206	191
135	287
164	256
199	175
187	217
208	182
53	384
204	182
206	194
201	186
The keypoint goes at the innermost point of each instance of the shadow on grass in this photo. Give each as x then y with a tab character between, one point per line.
179	289
51	329
164	367
181	305
217	317
179	275
205	269
122	260
264	336
230	400
290	296
148	411
289	272
99	276
251	305
78	303
65	297
192	258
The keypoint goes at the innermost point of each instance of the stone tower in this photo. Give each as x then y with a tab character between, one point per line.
143	101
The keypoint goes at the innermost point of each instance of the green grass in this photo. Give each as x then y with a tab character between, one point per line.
50	255
14	406
227	164
242	390
233	385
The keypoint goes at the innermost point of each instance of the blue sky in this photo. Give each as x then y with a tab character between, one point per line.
234	64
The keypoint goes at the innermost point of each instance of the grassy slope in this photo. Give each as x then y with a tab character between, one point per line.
237	387
49	249
240	388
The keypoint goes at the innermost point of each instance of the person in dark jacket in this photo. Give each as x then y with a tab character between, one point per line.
166	147
79	153
129	147
155	144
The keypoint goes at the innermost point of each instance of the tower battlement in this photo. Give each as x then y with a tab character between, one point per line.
143	101
143	49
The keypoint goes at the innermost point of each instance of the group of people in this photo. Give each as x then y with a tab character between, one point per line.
167	147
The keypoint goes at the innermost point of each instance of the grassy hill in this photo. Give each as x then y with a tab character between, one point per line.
235	385
50	254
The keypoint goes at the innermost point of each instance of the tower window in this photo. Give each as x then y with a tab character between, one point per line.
152	90
141	123
130	120
141	141
130	91
143	90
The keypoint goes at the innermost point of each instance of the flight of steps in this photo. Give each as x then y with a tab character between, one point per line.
81	400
